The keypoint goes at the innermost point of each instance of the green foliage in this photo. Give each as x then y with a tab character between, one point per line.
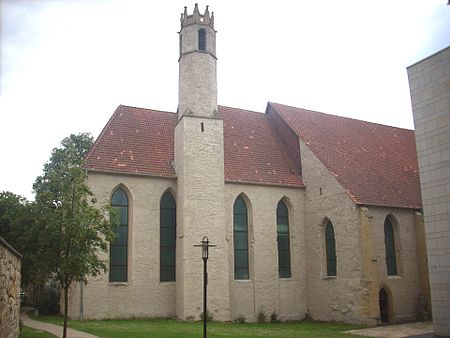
163	328
72	229
19	228
261	318
49	299
274	317
11	209
209	316
240	319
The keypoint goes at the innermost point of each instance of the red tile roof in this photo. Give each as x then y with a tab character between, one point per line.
253	150
376	164
135	141
140	141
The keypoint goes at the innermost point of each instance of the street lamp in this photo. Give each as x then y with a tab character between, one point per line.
205	248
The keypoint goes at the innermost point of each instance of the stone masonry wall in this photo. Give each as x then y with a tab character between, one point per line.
10	264
331	298
265	291
429	82
404	288
352	296
143	295
200	194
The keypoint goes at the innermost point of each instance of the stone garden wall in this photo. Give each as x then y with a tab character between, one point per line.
10	263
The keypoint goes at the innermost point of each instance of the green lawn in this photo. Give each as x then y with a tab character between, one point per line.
166	328
27	332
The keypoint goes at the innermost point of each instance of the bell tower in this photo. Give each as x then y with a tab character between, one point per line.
199	165
197	92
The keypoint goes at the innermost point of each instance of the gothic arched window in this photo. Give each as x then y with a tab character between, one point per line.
201	39
168	237
118	255
389	244
284	252
330	249
240	231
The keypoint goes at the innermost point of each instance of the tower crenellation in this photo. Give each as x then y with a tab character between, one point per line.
197	18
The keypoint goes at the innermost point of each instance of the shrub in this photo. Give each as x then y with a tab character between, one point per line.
274	317
49	300
240	319
261	316
209	316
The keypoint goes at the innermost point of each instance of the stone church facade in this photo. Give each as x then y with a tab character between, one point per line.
311	214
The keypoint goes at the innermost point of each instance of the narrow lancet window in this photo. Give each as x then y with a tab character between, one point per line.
389	244
330	249
202	39
168	236
118	256
240	224
284	252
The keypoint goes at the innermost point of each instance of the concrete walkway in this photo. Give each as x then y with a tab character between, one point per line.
417	329
53	329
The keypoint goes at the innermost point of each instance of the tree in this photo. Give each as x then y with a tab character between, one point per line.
12	206
18	227
74	230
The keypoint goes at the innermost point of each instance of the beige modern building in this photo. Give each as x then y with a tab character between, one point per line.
429	82
311	214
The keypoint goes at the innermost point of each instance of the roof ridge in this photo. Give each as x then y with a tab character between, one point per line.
241	109
341	117
142	108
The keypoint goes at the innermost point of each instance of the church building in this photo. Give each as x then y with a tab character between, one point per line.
311	214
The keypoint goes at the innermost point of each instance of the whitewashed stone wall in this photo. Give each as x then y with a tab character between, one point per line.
265	291
341	298
10	264
429	82
352	296
143	295
200	195
404	288
331	298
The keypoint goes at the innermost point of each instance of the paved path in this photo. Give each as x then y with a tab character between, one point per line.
417	329
53	329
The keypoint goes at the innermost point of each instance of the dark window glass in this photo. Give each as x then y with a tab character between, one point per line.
168	238
389	244
202	39
330	249
284	252
118	255
240	226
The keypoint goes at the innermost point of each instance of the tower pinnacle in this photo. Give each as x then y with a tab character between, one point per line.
197	18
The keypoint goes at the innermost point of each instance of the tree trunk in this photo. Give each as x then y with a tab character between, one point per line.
66	309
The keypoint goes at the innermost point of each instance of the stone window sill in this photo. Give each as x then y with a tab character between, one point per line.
329	278
395	277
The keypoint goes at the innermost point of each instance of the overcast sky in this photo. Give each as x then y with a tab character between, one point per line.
66	65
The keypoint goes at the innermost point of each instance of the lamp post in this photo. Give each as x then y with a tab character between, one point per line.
205	248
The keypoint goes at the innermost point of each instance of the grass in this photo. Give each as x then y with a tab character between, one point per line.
27	332
166	328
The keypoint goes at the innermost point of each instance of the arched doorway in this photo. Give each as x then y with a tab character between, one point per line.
383	300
